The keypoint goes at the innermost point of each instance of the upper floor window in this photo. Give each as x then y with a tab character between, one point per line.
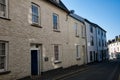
99	42
76	30
102	42
104	34
35	14
92	41
91	29
3	8
101	33
83	31
55	21
3	55
98	31
77	51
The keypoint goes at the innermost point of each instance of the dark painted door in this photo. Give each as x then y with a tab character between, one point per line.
34	62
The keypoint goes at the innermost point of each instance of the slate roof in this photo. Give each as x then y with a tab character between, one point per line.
77	17
59	5
81	19
95	25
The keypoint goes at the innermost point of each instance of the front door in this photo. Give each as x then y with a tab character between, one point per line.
34	62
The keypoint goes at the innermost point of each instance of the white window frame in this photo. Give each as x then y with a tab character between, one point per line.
33	22
55	27
78	51
58	53
76	29
91	28
83	31
6	53
6	10
92	41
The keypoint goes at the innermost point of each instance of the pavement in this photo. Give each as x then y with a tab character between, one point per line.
61	73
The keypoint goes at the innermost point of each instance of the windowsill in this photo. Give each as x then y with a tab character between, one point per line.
56	30
5	18
78	58
36	25
57	62
4	72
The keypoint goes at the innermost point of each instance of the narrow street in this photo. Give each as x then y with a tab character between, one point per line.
108	70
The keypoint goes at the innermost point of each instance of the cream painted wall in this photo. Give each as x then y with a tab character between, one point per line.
20	34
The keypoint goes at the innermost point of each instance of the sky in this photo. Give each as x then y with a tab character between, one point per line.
105	13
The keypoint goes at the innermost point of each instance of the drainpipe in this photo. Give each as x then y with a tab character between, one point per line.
97	43
86	52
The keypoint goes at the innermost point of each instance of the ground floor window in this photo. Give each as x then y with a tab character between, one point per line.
78	51
56	52
91	56
3	55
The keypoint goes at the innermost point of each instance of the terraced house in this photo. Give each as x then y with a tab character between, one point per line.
38	36
96	42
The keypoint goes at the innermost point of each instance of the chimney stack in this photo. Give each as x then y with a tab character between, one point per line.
116	38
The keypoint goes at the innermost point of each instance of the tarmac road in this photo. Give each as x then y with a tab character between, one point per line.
108	70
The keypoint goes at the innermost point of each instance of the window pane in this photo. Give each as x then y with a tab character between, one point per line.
34	18
83	31
91	29
2	8
90	55
2	1
78	51
35	13
35	10
2	62
2	48
55	21
2	52
56	52
76	29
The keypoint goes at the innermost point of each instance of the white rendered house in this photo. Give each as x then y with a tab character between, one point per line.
96	42
114	48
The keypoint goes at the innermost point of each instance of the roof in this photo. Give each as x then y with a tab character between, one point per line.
95	25
59	5
77	17
116	39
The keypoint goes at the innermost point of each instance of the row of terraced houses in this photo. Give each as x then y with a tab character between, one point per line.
42	35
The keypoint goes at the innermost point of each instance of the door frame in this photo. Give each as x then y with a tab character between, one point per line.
39	55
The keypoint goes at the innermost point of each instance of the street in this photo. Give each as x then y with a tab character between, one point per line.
108	70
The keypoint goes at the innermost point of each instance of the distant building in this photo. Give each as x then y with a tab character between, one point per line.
96	42
114	48
102	49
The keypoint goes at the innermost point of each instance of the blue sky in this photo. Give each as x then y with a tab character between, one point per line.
105	13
